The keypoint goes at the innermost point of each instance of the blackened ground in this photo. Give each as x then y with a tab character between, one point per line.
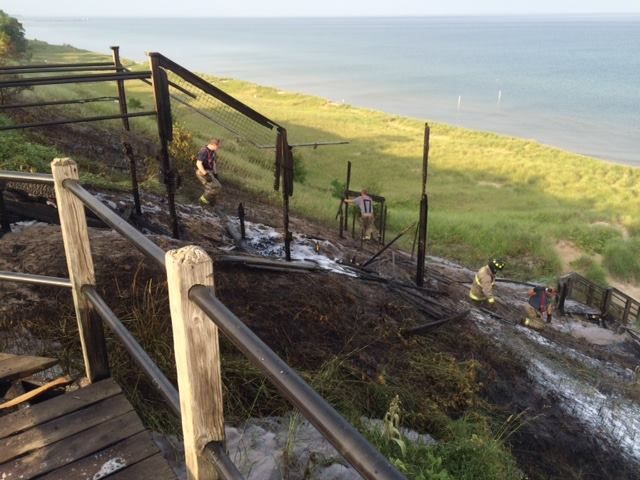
310	318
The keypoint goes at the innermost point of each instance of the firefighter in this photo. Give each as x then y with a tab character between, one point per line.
482	286
539	307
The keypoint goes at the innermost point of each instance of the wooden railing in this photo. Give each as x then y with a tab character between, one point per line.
196	315
611	302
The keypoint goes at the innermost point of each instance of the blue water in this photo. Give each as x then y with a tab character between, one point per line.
571	82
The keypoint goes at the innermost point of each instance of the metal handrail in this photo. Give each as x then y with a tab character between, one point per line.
35	279
108	216
10	176
216	450
162	383
341	434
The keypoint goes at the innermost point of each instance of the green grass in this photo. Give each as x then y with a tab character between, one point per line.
488	194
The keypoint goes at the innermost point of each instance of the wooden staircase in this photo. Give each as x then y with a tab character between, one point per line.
91	432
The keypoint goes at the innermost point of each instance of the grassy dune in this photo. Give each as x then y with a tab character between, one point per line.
489	194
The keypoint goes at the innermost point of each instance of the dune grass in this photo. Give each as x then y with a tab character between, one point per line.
488	194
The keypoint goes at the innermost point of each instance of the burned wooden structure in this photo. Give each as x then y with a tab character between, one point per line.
173	87
612	303
379	211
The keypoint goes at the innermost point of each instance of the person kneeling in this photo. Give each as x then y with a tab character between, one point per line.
539	307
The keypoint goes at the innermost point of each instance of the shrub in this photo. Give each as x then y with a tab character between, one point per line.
621	259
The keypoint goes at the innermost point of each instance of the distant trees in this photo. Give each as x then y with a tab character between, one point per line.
13	45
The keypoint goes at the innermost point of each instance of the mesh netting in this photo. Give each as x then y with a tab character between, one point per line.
249	147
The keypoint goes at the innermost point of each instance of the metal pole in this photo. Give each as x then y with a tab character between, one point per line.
35	279
343	436
161	382
108	216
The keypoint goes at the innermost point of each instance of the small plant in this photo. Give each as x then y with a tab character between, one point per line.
134	104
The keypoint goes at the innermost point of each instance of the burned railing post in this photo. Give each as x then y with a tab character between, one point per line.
347	185
122	100
5	225
75	235
243	234
284	159
160	84
197	355
424	208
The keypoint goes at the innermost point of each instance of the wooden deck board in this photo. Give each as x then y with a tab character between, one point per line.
62	427
15	367
73	448
113	458
57	407
93	431
152	468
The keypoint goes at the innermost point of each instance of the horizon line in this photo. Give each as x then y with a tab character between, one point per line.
408	15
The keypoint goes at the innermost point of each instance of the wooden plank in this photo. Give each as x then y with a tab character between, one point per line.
62	427
30	395
197	354
75	235
4	356
57	407
73	448
20	366
152	468
111	459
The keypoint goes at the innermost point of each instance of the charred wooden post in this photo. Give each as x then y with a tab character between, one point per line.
424	208
285	160
627	309
243	234
122	100
353	223
405	230
75	235
5	225
384	224
160	84
606	303
347	185
197	354
427	327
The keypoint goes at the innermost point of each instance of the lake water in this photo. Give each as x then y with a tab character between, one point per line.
571	82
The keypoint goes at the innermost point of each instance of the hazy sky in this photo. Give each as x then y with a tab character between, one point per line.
310	7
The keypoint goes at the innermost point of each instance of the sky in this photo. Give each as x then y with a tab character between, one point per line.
311	8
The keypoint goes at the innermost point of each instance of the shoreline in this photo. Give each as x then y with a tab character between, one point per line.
593	118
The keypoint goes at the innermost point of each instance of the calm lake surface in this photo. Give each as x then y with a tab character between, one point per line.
568	81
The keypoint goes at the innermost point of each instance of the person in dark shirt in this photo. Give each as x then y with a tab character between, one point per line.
207	172
539	307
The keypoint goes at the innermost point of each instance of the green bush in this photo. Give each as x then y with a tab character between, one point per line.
621	259
589	268
471	452
17	153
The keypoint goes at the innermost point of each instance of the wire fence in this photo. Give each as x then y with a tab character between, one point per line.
249	147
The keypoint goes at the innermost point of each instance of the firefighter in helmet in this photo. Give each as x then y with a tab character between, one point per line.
482	286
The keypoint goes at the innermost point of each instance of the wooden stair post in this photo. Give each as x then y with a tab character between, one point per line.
73	223
197	353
